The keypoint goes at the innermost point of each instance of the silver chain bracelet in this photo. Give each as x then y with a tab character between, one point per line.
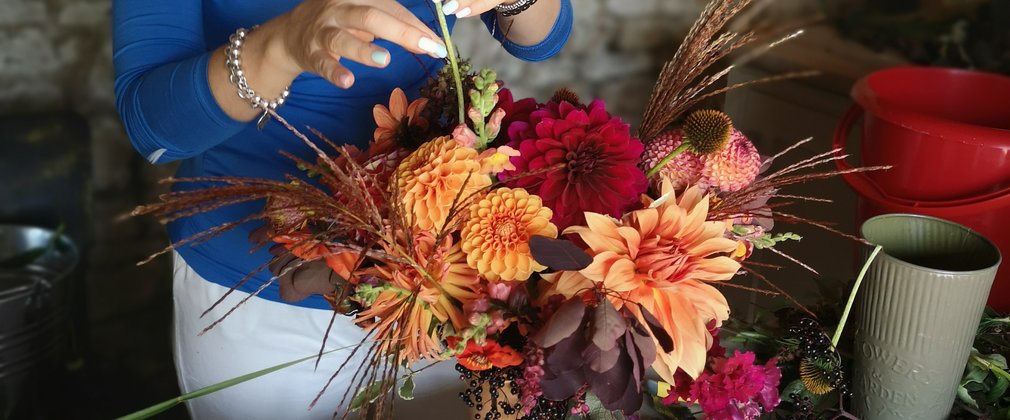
237	77
515	8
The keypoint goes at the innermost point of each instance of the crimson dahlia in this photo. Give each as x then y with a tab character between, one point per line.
596	158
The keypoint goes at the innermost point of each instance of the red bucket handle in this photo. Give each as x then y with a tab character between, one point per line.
868	189
858	180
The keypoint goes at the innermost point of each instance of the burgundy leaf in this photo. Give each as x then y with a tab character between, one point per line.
601	360
630	402
637	364
566	355
559	254
563	323
559	387
608	325
611	385
664	339
646	349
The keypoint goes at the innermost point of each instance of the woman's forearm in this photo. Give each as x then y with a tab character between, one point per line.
533	25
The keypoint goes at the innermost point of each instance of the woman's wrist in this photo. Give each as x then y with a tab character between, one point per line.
271	45
265	65
532	25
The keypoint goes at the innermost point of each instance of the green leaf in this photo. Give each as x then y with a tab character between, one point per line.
406	390
965	397
769	240
998	360
975	373
997	391
369	393
166	405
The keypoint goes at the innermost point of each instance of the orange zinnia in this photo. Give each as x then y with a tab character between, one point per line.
496	237
661	257
478	357
412	303
391	121
430	180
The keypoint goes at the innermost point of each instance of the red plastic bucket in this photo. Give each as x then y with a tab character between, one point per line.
987	214
945	132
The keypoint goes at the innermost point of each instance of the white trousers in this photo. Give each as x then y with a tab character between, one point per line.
260	334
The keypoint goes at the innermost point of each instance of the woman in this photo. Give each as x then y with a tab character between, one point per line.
179	101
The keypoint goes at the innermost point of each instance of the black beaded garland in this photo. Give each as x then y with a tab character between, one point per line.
501	383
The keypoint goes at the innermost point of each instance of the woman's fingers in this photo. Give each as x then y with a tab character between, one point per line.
402	13
467	8
359	48
386	26
330	68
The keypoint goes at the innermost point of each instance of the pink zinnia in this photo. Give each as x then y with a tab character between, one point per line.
736	388
595	154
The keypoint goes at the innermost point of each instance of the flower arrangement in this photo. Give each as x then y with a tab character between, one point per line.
545	248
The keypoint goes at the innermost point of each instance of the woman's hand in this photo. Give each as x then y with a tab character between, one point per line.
312	38
318	33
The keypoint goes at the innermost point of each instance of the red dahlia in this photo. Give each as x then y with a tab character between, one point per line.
596	155
514	111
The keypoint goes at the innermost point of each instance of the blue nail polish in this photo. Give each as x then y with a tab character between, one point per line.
380	57
450	7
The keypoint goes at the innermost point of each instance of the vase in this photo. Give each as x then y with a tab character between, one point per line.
918	312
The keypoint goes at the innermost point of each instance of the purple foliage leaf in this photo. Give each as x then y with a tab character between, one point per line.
656	328
630	401
637	364
559	387
608	325
601	360
559	254
642	350
611	385
563	323
566	355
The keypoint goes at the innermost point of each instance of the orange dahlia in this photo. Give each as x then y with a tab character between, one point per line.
496	237
661	258
414	300
430	180
399	117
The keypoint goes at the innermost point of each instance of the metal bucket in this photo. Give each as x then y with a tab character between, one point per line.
35	265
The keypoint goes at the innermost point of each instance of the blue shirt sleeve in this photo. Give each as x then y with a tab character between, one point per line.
162	93
549	47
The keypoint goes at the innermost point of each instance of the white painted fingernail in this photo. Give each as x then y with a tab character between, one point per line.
432	47
380	57
450	7
464	13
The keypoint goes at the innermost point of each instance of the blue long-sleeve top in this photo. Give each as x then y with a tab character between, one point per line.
161	53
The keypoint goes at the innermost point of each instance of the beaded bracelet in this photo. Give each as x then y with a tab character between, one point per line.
514	8
237	78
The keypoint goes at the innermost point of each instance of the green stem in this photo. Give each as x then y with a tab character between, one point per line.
852	296
168	404
676	152
453	61
977	359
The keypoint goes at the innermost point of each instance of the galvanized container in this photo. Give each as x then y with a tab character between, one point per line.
35	265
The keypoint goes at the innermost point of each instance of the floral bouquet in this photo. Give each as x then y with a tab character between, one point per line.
554	256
